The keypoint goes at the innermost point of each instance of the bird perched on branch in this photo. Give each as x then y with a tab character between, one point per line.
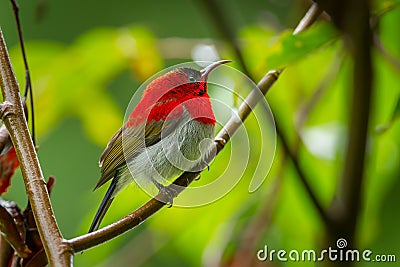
162	135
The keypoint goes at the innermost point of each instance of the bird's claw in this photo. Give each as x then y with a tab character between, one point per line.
220	141
167	195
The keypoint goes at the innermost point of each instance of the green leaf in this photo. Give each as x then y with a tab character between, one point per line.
381	7
256	40
290	48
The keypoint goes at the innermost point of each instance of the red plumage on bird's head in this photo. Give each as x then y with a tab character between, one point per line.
167	96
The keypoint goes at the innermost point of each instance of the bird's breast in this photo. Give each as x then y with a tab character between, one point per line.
182	149
200	109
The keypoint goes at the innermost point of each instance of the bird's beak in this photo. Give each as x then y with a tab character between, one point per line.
206	71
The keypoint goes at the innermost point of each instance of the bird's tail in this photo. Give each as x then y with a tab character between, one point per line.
105	204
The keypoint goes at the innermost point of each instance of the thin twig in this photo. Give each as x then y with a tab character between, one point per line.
28	83
13	118
293	157
309	18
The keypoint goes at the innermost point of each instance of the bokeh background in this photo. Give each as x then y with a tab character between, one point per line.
88	57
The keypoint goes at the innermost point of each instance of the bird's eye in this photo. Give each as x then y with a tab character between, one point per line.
192	79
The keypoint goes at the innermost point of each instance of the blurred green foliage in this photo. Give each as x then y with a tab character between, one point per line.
89	62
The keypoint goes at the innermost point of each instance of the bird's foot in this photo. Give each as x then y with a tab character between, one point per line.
166	194
220	141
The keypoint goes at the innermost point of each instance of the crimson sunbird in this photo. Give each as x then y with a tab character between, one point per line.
161	137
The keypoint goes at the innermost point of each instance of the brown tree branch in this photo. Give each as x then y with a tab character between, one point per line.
13	117
352	179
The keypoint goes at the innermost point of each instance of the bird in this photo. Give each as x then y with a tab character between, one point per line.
162	136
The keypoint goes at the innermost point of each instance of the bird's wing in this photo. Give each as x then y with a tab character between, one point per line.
118	150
